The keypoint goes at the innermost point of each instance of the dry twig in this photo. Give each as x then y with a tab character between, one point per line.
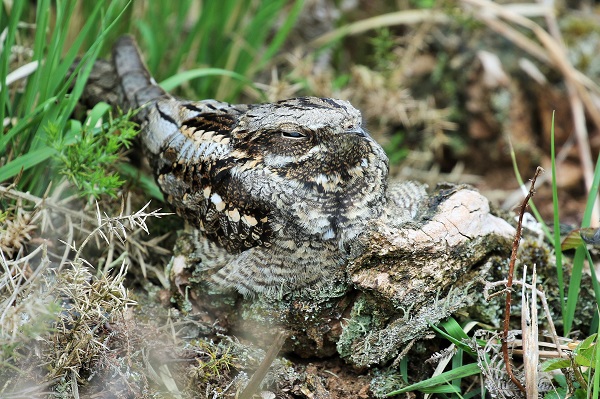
542	296
529	326
509	282
264	366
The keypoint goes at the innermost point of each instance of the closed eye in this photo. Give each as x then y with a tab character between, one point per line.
293	135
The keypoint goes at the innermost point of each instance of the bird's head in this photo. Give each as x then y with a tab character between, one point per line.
317	141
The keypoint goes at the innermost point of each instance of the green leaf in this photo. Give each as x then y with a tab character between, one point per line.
555	364
558	393
26	124
453	328
584	354
588	342
574	288
441	389
596	380
456	337
182	77
444	378
582	359
96	114
25	162
571	241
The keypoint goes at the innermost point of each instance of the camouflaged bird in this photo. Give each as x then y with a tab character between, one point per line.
278	191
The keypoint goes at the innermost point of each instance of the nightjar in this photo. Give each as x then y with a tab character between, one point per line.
278	191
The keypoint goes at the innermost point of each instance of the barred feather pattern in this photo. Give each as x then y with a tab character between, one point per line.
278	191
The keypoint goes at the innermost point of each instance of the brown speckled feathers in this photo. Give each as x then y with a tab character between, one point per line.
277	190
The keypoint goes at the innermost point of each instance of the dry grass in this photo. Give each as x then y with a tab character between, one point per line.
59	310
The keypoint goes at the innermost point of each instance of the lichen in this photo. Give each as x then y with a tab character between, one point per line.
380	345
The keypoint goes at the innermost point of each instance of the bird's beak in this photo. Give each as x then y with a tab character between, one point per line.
360	132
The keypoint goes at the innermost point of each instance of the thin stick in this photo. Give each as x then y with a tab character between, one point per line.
509	282
409	17
529	328
10	193
263	368
542	296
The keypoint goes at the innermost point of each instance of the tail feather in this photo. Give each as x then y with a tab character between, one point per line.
137	85
124	82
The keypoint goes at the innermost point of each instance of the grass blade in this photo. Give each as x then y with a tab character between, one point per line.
460	372
557	240
532	206
24	162
180	78
580	255
10	24
574	288
596	383
282	33
454	333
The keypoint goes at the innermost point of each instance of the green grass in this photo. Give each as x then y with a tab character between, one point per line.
556	236
586	360
570	302
581	253
448	383
45	104
210	52
213	52
88	160
230	35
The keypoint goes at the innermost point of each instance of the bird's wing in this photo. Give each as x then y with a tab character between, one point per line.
190	147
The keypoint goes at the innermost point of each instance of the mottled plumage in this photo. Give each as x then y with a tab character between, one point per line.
278	190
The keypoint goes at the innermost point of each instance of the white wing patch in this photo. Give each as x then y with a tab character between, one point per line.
218	201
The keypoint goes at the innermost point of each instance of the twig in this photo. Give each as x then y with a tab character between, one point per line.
515	196
576	83
408	17
491	9
24	285
10	193
552	52
509	282
529	326
543	299
264	366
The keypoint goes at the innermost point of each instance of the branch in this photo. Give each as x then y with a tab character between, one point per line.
509	282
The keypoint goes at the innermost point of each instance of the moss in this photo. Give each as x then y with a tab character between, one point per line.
532	251
281	374
386	381
310	317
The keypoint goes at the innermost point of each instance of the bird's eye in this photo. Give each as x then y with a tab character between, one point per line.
293	135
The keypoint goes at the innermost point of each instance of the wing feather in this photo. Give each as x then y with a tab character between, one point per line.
190	146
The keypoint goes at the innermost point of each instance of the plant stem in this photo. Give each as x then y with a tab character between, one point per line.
509	281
